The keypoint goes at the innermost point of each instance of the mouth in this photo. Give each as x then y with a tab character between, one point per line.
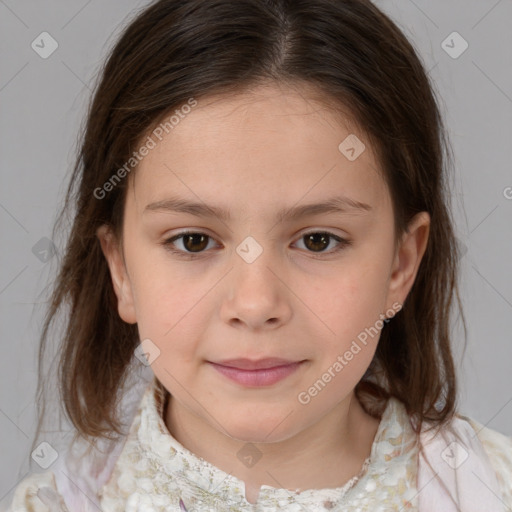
255	364
263	372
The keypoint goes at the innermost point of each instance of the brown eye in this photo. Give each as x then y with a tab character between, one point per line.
191	242
195	243
317	242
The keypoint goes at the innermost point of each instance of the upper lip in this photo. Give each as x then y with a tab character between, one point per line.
258	364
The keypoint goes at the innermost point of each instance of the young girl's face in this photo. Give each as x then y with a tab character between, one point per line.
254	286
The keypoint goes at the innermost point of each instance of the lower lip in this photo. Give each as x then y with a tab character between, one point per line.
257	378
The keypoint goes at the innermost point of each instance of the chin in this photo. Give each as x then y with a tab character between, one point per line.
273	429
251	436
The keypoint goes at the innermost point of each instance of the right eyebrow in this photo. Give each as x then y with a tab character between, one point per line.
337	204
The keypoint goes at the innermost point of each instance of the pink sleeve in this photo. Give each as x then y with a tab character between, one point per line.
82	470
454	472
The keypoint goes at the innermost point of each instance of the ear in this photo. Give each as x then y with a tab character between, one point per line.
120	279
408	258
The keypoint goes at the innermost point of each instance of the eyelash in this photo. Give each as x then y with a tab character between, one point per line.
168	244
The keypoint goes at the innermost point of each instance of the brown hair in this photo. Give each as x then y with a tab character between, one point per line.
356	58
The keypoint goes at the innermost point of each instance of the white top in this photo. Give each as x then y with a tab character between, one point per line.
151	471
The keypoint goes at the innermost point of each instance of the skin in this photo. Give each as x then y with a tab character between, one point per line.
278	144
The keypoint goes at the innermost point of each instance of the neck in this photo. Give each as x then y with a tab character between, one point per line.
327	454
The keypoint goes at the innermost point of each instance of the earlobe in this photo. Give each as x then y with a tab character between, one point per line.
120	279
408	257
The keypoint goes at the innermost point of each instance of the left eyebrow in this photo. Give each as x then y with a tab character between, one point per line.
337	204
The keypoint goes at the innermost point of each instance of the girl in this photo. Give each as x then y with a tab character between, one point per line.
262	222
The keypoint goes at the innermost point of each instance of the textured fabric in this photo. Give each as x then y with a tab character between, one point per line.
152	471
456	473
499	452
156	471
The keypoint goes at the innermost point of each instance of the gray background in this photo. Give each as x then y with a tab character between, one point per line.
42	106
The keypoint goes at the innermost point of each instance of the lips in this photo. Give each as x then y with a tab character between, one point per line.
260	364
257	373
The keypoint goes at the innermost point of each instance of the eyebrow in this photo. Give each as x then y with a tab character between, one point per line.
337	204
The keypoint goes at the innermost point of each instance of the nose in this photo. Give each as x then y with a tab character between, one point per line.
257	296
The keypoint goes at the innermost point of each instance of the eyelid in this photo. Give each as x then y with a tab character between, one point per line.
168	241
342	242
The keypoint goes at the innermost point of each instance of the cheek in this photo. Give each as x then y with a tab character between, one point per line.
173	302
164	291
350	312
349	300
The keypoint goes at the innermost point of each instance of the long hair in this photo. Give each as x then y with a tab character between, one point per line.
356	58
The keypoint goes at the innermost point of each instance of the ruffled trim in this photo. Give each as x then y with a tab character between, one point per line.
182	476
84	469
156	440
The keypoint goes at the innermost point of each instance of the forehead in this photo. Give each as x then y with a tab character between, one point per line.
262	114
270	142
